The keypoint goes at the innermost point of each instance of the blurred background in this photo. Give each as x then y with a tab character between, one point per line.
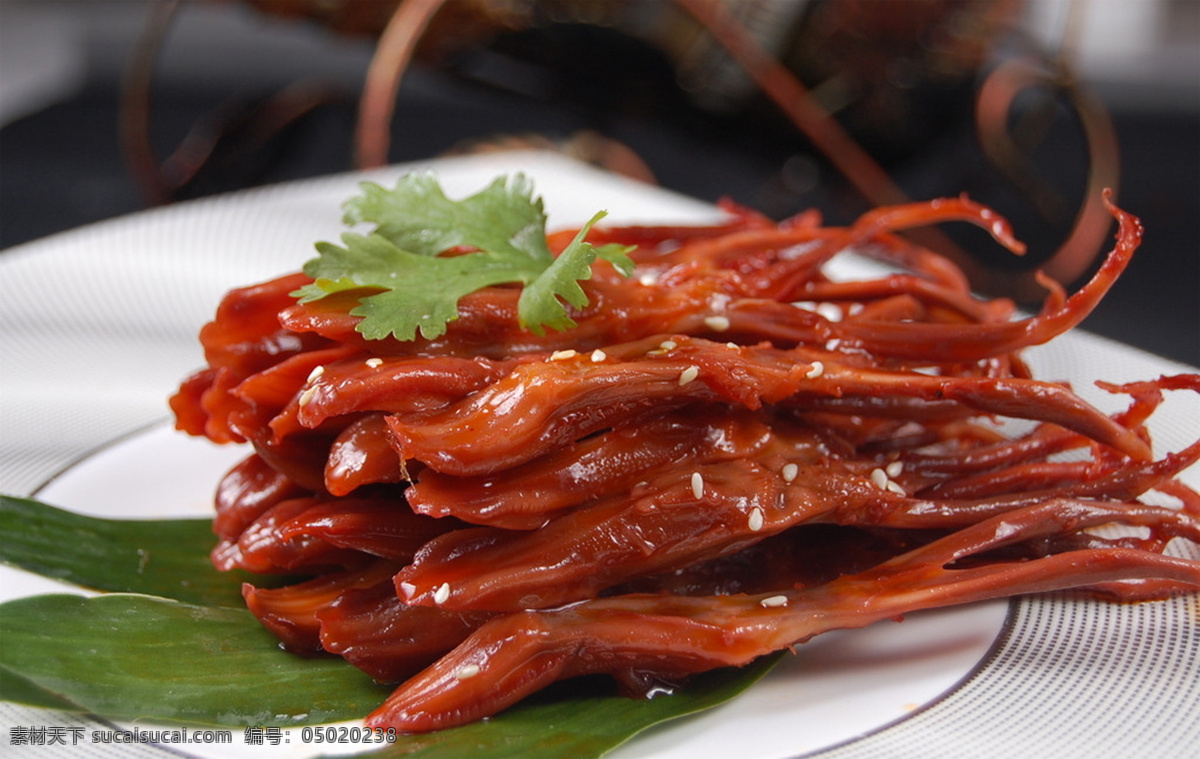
108	108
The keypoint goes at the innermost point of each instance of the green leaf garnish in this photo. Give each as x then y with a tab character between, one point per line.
167	557
497	236
17	689
129	656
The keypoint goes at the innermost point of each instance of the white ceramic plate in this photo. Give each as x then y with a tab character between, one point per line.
100	324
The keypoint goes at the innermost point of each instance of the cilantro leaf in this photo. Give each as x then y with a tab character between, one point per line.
498	236
540	302
504	217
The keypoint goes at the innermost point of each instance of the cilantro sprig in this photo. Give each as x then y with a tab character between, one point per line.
498	236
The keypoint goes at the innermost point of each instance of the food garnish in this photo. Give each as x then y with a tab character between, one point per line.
405	282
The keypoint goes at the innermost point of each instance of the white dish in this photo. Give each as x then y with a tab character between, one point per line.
100	325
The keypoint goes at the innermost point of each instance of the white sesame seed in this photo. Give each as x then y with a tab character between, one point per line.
831	311
895	487
697	485
374	363
734	346
894	468
855	309
407	588
598	356
792	252
316	372
562	355
667	345
442	593
688	374
773	601
880	478
833	344
816	370
467	671
755	521
789	472
307	396
717	323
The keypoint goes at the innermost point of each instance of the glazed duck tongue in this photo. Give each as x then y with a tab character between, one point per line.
516	654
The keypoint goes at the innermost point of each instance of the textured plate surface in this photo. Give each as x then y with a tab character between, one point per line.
99	325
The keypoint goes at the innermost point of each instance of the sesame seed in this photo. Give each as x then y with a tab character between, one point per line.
442	593
374	363
307	396
755	522
697	485
894	468
789	472
598	356
895	487
833	344
562	355
717	323
879	478
667	345
688	374
316	372
816	370
467	671
773	601
831	311
734	346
